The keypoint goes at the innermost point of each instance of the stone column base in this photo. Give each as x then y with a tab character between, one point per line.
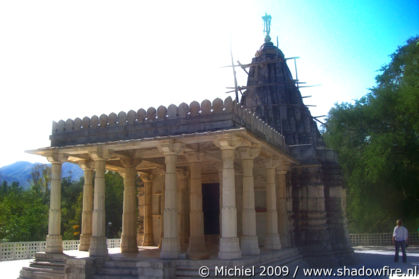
79	268
84	242
272	242
54	244
249	245
129	244
229	248
148	240
98	246
197	249
170	248
285	241
140	238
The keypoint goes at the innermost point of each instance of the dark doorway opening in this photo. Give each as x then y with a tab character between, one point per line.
211	208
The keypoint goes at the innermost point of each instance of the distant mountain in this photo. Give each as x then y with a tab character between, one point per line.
21	172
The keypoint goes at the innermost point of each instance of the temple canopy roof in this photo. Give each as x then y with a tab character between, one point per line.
139	134
185	119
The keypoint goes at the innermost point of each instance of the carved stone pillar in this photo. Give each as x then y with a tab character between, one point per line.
290	215
239	200
272	240
170	246
157	206
129	213
86	217
229	242
148	217
98	246
140	214
283	226
54	239
181	206
249	240
197	248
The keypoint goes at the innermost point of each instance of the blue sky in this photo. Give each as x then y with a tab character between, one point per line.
62	60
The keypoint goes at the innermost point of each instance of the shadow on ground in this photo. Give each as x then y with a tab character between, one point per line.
376	259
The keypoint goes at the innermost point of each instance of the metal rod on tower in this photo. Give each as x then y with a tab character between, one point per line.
234	73
296	72
243	67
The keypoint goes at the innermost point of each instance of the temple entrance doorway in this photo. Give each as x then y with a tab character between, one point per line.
211	208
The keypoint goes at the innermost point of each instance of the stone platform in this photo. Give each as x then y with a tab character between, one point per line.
146	264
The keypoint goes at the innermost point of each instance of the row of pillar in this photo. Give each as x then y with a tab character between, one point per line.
229	242
93	237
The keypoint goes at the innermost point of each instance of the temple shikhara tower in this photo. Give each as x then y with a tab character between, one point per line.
224	182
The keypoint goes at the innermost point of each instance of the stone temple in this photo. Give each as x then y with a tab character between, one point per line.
223	183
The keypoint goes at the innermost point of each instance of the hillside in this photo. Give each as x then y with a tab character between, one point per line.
21	172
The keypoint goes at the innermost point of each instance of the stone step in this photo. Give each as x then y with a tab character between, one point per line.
190	273
47	265
114	276
120	263
40	273
186	272
290	258
117	270
51	270
128	258
59	258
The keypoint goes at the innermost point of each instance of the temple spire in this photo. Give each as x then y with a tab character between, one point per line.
267	26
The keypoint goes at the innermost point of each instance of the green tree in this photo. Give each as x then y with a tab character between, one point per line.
377	140
41	177
71	207
23	214
113	204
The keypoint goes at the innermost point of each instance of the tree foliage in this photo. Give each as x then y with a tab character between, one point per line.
377	140
24	213
41	176
113	204
71	207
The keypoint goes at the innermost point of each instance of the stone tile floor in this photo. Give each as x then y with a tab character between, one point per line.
373	257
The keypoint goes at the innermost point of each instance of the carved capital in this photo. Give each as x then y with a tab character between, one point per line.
271	163
193	157
158	171
55	157
283	167
170	147
181	172
226	142
130	162
249	153
282	172
99	154
145	176
86	165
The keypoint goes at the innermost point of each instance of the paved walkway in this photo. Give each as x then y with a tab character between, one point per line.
376	258
369	257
